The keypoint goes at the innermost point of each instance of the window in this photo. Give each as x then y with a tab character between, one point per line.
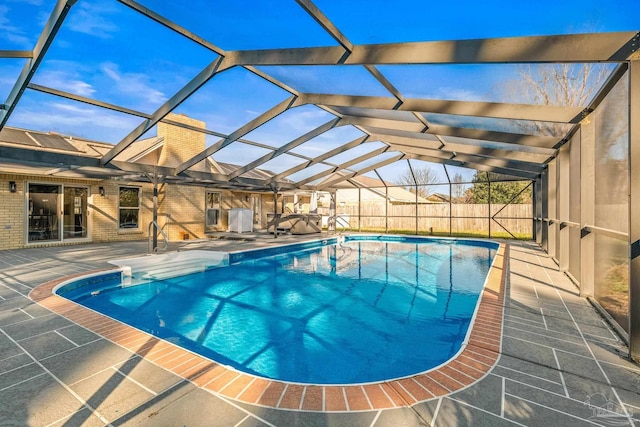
129	208
212	209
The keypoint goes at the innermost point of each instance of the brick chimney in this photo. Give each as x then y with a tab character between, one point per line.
180	144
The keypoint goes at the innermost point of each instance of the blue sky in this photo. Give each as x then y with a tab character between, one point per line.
108	52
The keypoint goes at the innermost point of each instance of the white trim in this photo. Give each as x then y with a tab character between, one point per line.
137	229
212	227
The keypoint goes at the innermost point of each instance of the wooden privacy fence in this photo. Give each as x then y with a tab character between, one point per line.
438	218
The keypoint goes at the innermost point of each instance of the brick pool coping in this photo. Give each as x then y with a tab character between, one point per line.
470	365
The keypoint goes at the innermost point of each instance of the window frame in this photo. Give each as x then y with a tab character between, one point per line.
138	208
207	209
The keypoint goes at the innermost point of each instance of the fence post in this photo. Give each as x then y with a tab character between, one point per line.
416	209
386	209
634	210
450	207
534	210
359	208
489	203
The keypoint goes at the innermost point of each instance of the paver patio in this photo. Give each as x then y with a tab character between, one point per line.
559	362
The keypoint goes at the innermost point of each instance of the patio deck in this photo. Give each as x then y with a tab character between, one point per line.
559	363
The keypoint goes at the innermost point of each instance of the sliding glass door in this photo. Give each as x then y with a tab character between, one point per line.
43	217
56	213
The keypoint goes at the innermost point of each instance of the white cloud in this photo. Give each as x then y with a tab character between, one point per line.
93	19
458	93
31	2
65	80
8	75
10	32
77	120
134	85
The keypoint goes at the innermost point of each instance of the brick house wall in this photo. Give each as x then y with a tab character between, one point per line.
181	208
11	212
180	144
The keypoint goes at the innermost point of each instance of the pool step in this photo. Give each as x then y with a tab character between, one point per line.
139	270
164	271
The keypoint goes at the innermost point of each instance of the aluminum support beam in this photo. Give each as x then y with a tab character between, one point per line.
196	83
190	176
417	137
384	81
51	27
48	158
498	162
600	47
634	210
271	80
479	151
562	208
537	224
552	193
587	206
325	23
405	126
575	177
541	113
486	135
472	165
544	210
408	141
285	148
16	54
371	125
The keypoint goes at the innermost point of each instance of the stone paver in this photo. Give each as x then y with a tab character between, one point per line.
558	362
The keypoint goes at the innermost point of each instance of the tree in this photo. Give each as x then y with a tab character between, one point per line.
568	85
501	191
457	188
424	176
575	85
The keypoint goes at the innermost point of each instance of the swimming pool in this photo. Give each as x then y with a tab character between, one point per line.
363	310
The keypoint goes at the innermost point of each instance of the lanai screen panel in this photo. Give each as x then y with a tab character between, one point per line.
334	79
120	64
330	140
43	112
356	152
611	202
234	25
147	62
22	23
496	124
379	21
231	99
9	68
239	153
282	163
290	125
575	207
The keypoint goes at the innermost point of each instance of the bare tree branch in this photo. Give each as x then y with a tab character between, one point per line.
424	177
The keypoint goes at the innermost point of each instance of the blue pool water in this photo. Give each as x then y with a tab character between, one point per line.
359	311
